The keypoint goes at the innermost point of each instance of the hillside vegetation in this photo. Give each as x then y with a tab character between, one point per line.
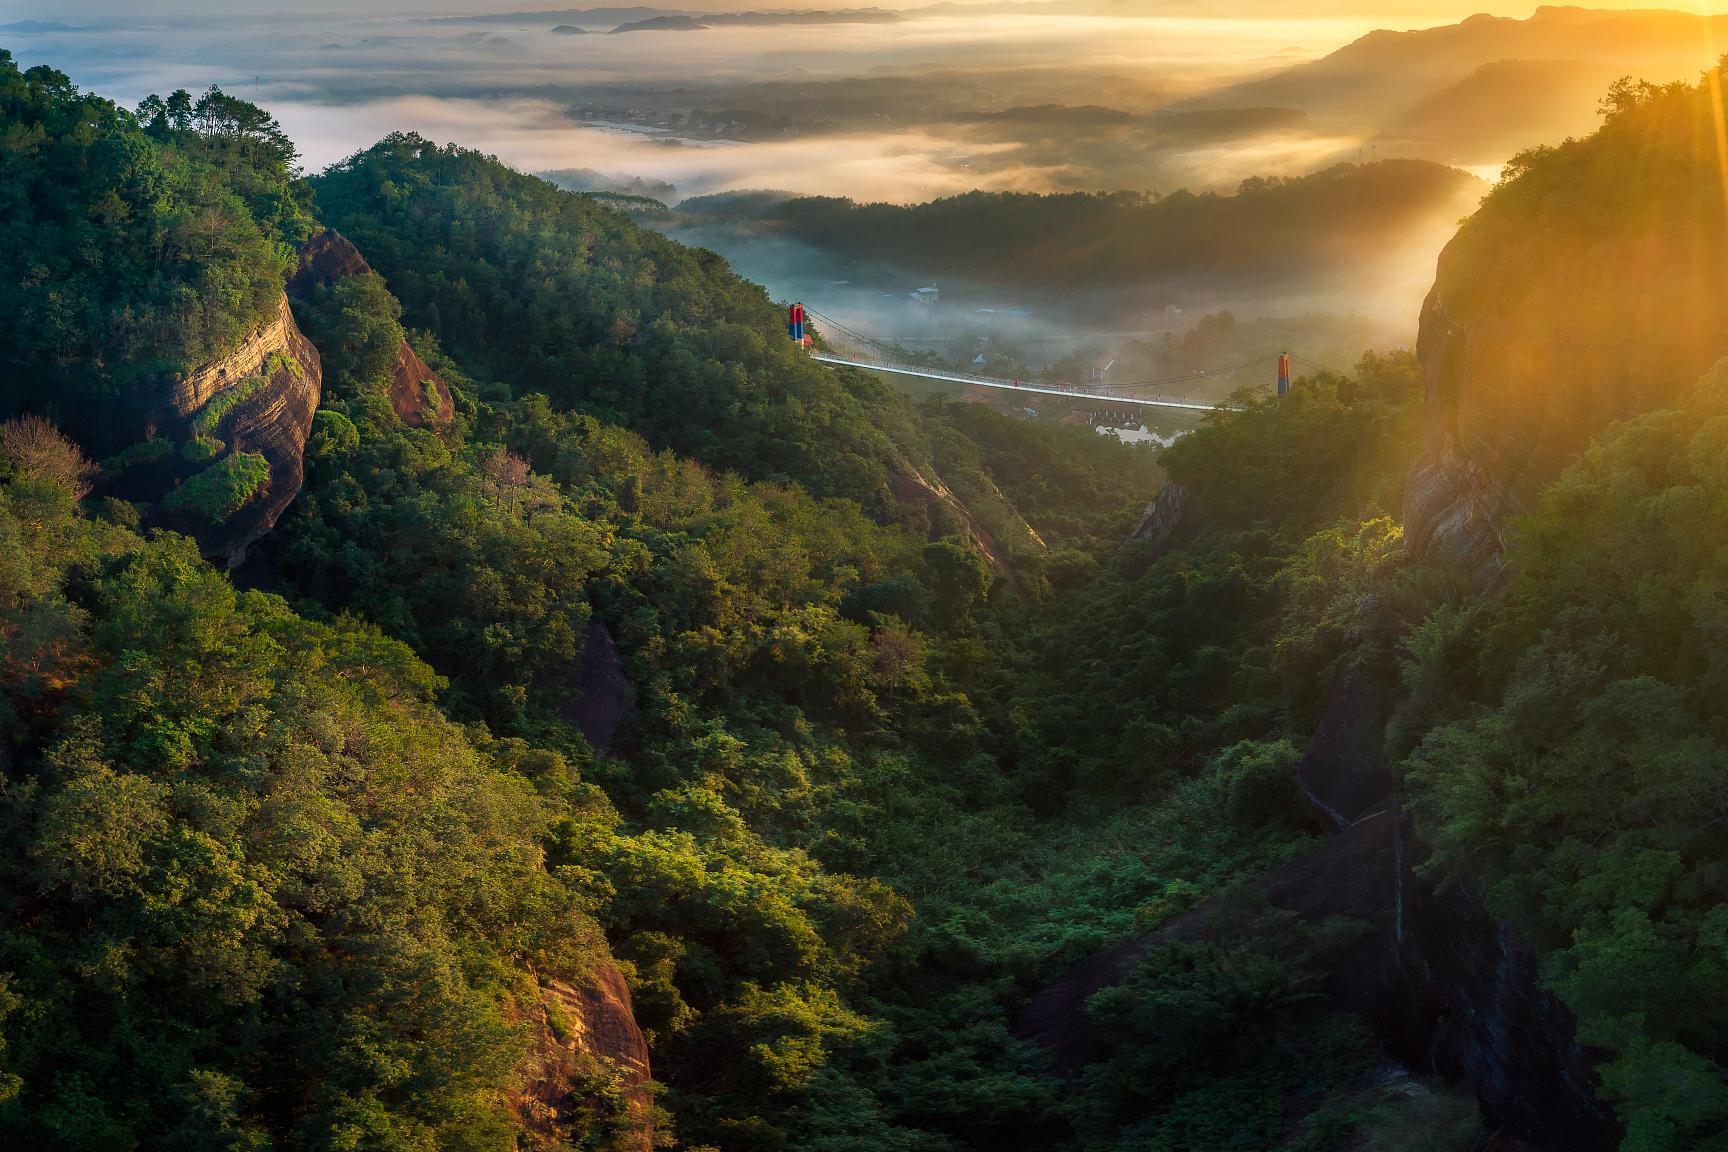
137	245
664	655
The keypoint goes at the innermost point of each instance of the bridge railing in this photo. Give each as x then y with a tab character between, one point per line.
1066	389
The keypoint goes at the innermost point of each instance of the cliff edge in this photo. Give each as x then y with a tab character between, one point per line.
586	1046
417	394
240	424
1586	290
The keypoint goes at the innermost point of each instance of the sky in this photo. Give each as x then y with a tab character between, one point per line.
1391	13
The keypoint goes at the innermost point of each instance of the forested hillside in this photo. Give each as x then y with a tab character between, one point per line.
1121	240
617	689
139	245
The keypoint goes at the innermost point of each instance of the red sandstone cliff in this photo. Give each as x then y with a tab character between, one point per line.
277	373
587	1049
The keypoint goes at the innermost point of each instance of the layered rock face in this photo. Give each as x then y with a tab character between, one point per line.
418	396
947	512
278	334
277	378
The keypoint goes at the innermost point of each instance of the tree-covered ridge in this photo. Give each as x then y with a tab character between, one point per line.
1570	755
1082	240
549	292
1587	290
259	892
136	247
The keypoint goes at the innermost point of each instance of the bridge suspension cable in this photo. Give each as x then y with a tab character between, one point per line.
882	357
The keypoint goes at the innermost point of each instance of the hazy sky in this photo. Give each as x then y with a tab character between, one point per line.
339	83
1392	12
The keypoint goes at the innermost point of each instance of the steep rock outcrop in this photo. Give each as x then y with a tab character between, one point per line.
1344	771
417	394
278	334
1170	521
910	486
325	259
1584	291
586	1045
1448	991
1454	504
604	698
1467	1000
280	377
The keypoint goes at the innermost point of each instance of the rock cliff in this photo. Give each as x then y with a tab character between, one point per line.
604	699
418	396
1170	521
946	512
1585	290
267	390
586	1046
1448	991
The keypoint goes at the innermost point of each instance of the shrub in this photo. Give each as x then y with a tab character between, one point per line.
333	434
225	401
39	453
223	488
143	452
201	448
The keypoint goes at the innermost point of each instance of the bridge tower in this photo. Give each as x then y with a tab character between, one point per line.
1283	373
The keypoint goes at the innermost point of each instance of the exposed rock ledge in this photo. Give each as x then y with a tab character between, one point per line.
417	394
584	1035
1170	521
1455	502
946	512
272	420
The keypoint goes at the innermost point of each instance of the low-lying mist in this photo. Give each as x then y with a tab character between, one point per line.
922	105
879	111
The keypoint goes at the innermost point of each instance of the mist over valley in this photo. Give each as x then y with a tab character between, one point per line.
1018	576
925	103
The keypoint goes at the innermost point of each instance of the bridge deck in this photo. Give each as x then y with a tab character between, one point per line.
1018	386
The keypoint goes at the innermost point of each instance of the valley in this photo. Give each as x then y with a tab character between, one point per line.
471	679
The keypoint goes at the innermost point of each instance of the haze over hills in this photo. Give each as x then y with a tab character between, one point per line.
1433	92
924	100
915	104
1112	259
471	678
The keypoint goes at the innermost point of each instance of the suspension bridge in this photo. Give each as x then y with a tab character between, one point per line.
852	349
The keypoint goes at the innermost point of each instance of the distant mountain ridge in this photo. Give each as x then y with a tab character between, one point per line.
1134	246
1388	68
678	23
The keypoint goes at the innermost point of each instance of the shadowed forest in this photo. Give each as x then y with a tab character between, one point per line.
468	681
